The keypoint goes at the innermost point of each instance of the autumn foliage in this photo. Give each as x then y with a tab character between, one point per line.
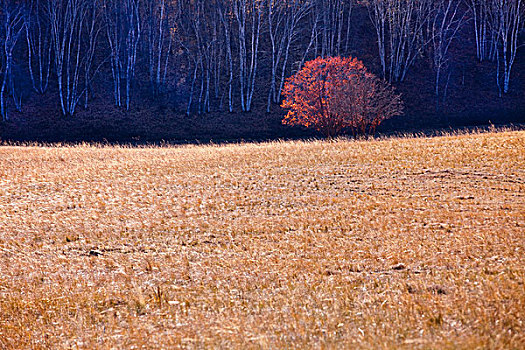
335	93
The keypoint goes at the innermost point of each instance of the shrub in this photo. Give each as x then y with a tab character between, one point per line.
334	93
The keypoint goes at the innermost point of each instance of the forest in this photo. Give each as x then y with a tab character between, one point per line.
215	69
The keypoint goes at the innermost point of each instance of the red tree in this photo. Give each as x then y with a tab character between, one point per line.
334	93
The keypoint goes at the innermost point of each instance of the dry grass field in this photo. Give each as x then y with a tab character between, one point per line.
395	243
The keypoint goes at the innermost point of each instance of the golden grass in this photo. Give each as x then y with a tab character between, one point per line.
397	243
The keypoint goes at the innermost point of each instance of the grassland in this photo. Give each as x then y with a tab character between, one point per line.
396	243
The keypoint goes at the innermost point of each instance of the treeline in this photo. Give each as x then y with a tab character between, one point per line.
221	55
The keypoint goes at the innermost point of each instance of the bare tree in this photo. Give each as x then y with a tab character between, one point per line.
483	21
221	8
311	30
38	35
333	16
196	36
114	19
161	16
497	24
92	31
123	32
283	27
13	26
399	26
509	19
445	22
248	15
74	34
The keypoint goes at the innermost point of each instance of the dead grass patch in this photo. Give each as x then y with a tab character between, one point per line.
398	243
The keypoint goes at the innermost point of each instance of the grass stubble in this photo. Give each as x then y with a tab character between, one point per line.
396	243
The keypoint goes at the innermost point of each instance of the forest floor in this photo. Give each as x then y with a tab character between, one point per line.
393	243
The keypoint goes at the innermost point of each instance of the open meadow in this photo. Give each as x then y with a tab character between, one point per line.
394	243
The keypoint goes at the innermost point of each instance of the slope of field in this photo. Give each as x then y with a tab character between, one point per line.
397	243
